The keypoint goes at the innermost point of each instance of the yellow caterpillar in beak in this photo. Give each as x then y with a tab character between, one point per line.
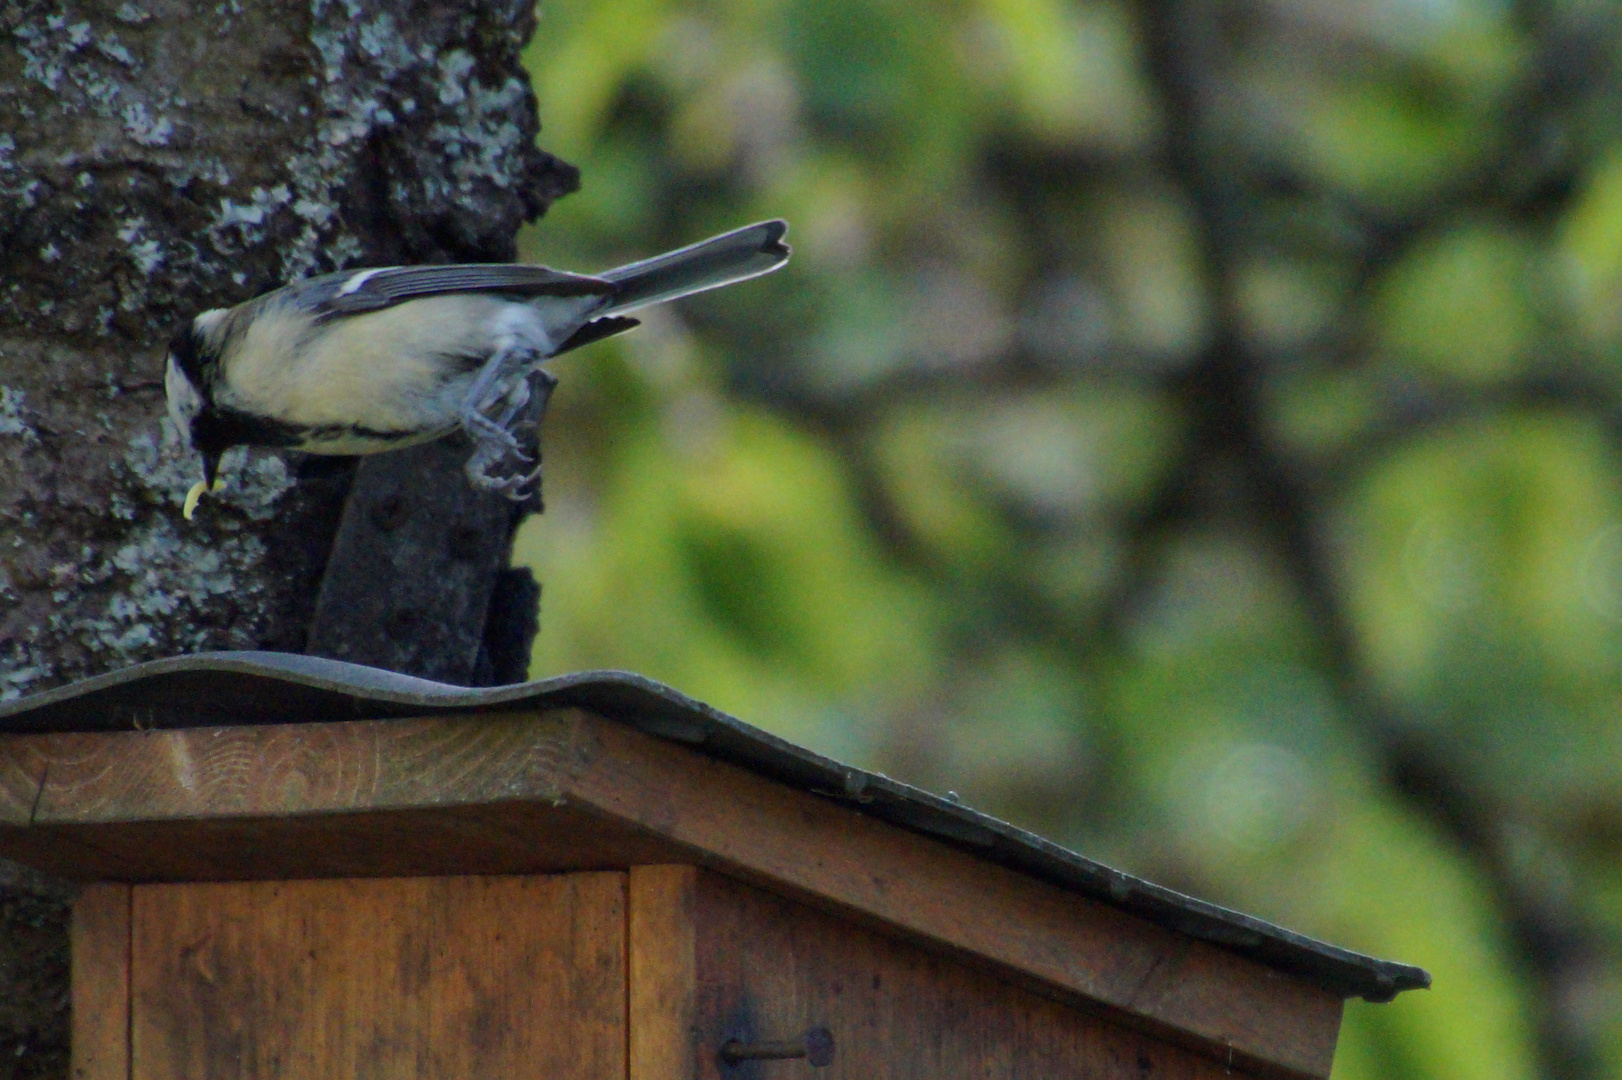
195	496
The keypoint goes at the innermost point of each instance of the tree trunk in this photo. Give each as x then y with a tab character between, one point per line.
158	158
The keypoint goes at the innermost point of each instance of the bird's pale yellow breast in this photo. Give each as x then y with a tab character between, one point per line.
384	370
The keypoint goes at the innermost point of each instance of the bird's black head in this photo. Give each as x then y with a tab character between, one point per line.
188	374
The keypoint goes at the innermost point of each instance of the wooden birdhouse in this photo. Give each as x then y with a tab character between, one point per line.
298	869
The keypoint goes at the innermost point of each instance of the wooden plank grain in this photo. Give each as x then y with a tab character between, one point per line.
282	769
99	938
662	946
496	838
388	979
771	969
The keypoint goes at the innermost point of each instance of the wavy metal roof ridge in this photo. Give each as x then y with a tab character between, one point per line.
263	687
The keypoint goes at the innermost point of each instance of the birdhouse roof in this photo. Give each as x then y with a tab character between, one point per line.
258	688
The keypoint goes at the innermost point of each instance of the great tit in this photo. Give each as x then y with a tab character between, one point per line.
364	361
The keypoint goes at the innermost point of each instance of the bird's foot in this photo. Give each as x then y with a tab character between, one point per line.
518	487
488	456
496	449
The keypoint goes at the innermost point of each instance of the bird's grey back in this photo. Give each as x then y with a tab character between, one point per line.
721	260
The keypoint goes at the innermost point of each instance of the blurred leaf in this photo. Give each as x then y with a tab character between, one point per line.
965	476
1153	270
1075	71
1065	455
1481	528
1224	727
787	562
1317	413
1383	884
1590	253
1284	305
882	76
913	453
1480	570
1075	570
1010	733
1385	143
736	569
588	57
614	210
1457	306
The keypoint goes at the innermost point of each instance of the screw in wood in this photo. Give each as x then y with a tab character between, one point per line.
816	1046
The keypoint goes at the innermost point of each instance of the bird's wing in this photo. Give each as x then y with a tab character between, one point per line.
357	291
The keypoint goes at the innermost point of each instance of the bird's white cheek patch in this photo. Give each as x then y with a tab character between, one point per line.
183	399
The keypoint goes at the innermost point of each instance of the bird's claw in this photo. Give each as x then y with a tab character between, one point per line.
517	487
489	455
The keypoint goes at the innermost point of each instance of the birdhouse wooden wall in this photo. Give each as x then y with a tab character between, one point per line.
648	973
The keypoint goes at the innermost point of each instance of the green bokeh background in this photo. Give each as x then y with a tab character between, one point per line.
1189	430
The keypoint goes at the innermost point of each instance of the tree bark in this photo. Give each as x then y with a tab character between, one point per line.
158	158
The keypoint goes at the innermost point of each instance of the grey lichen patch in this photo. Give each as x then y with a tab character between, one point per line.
459	158
255	481
47	48
161	464
163	572
238	225
13	417
153	584
156	594
68	57
80	104
110	47
144	128
398	132
256	484
476	144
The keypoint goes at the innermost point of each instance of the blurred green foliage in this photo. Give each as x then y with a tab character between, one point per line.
1189	430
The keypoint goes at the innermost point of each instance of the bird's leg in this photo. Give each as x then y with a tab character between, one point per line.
493	437
535	392
485	392
517	397
492	440
523	392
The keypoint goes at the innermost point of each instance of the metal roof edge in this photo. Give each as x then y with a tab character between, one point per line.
208	689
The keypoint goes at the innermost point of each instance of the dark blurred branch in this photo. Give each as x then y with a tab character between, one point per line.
1223	397
1569	390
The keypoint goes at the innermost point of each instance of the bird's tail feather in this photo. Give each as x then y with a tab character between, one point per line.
735	256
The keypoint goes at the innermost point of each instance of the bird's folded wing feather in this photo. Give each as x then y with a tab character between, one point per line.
369	290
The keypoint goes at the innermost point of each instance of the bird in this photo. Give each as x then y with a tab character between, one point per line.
370	360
